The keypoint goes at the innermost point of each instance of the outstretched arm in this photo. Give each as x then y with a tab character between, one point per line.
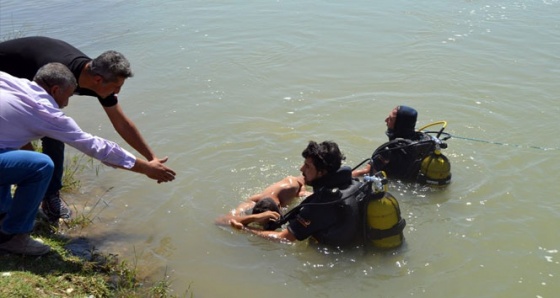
245	219
239	213
283	235
154	169
362	171
128	131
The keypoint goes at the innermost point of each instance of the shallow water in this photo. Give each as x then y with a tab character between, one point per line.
232	92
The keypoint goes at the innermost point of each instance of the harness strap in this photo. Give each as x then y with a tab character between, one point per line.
376	234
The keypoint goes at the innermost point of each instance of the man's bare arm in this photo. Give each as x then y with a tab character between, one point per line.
128	131
246	219
362	171
283	235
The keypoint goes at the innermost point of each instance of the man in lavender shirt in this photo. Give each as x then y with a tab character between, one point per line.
30	111
101	77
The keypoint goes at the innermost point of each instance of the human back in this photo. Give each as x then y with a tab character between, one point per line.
285	190
22	57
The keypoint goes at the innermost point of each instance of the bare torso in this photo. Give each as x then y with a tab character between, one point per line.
284	191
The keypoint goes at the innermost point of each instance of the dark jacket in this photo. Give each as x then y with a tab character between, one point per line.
330	215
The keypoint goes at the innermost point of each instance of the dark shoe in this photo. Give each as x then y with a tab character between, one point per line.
54	207
25	245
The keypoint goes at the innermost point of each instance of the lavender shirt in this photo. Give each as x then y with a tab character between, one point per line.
28	112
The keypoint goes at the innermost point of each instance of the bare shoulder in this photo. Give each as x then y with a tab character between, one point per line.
294	180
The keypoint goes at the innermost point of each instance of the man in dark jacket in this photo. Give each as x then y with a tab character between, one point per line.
400	158
322	215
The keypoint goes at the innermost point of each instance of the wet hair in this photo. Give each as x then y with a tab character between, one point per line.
405	123
325	156
55	74
266	204
111	65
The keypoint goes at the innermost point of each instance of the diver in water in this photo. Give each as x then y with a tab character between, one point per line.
264	207
400	158
322	215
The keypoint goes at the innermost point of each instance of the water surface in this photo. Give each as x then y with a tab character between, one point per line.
233	91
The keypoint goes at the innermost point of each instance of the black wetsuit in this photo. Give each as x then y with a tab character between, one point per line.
22	57
402	158
333	224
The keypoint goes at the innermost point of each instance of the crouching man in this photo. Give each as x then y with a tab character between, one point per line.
30	111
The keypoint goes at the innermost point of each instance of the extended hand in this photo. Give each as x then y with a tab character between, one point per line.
160	172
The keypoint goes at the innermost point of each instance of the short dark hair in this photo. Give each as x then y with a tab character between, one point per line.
266	204
111	65
326	156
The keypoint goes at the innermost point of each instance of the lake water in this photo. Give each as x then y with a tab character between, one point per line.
232	91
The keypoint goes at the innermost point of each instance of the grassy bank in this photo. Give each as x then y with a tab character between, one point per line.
61	273
74	268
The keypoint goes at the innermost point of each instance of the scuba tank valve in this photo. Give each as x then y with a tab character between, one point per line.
378	181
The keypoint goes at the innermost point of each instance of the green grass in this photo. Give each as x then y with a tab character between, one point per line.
60	274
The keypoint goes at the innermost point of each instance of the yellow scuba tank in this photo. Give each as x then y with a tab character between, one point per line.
384	225
382	215
435	169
